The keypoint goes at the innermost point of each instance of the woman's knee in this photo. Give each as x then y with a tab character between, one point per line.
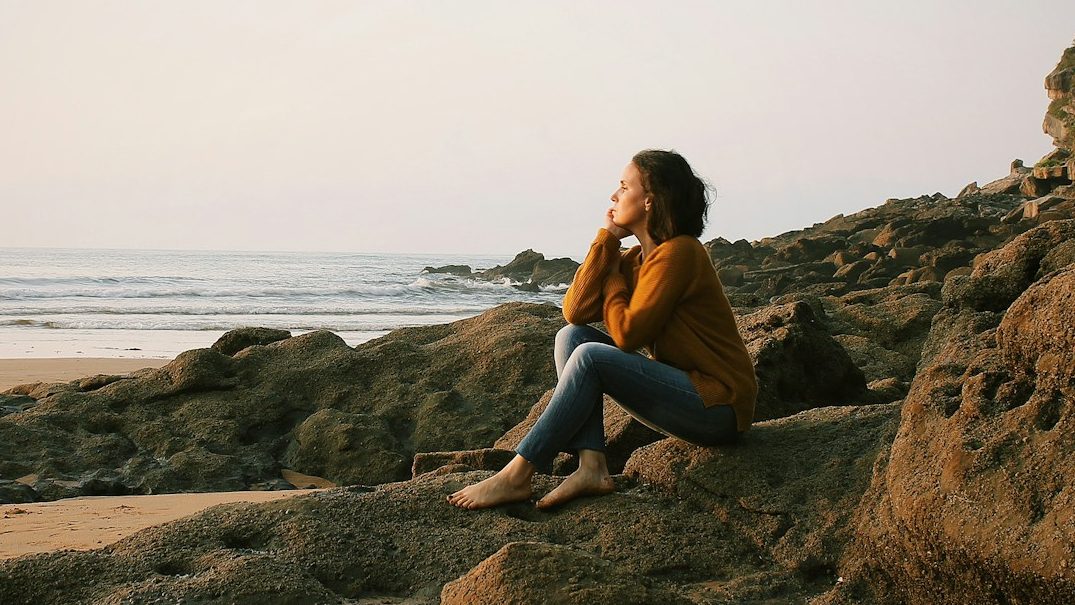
572	335
588	352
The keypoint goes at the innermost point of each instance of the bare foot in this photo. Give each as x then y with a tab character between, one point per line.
579	483
498	489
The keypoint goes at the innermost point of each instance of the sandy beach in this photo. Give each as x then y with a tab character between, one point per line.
20	371
95	521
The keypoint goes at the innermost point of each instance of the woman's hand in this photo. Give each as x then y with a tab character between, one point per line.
613	228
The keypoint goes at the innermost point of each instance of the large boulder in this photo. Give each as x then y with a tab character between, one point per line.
789	487
798	364
346	448
534	269
974	502
1060	116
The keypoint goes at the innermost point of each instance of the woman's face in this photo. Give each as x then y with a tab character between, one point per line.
630	201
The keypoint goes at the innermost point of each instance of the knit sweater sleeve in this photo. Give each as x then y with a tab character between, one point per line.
582	302
636	319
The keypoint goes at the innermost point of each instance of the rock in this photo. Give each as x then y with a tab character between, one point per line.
755	522
1060	116
906	257
730	276
1032	208
531	270
852	271
893	318
398	541
788	488
1034	187
210	421
989	407
1002	275
461	270
537	572
798	364
91	383
13	404
527	287
1009	184
947	257
1067	192
233	341
519	269
887	390
347	449
875	361
809	249
957	272
16	492
487	459
970	189
554	272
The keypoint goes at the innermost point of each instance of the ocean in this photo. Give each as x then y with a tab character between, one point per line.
159	303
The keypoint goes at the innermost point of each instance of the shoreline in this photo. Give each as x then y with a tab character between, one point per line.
15	371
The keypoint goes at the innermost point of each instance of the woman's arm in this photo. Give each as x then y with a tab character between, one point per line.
582	302
636	319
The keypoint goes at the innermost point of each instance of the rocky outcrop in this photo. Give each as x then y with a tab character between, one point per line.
214	421
755	522
1057	168
770	490
798	364
974	501
1060	116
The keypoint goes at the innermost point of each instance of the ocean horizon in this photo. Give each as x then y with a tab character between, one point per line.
72	302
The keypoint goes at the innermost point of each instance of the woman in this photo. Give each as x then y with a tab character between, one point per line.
664	294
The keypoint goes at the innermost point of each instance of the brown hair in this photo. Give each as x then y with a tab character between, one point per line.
680	197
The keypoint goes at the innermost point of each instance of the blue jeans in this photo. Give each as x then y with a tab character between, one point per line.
588	364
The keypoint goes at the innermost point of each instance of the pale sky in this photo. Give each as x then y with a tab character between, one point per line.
490	127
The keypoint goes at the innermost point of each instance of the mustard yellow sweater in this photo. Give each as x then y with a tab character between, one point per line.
674	305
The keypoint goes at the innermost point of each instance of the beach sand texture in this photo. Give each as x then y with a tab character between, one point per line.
95	521
62	369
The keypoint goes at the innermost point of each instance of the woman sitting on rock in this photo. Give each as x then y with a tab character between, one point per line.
664	295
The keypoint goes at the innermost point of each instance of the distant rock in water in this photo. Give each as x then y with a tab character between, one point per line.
529	270
463	270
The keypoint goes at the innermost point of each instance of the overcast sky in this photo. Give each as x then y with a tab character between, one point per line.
491	127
